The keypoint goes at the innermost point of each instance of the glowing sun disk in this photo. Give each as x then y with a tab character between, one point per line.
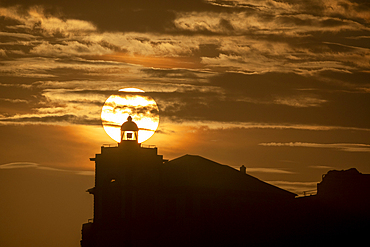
142	108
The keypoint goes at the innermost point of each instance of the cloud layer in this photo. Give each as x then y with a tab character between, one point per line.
348	147
268	73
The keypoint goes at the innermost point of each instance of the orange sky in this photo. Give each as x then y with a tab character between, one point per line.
281	87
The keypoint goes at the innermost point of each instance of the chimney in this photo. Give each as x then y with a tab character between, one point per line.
243	169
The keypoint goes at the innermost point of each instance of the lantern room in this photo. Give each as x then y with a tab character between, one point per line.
129	130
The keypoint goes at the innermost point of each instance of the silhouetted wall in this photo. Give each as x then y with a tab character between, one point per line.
142	200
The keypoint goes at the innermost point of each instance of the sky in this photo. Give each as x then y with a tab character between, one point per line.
281	87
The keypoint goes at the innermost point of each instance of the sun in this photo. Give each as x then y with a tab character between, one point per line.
130	102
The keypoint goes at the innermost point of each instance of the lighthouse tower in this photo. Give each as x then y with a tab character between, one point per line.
126	178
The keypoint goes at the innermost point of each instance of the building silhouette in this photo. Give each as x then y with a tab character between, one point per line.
140	199
338	215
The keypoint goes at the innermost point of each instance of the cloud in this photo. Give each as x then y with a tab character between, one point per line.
297	183
300	101
343	8
265	17
322	167
20	165
35	20
219	125
67	119
18	35
289	66
348	147
268	170
300	188
68	48
17	165
3	53
48	68
206	98
266	48
258	57
14	100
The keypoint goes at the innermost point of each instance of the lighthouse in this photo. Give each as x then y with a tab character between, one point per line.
142	200
126	179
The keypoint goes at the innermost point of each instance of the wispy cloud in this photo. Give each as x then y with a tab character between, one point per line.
322	167
20	165
268	170
300	188
18	35
47	25
344	8
237	23
69	48
348	147
300	101
17	165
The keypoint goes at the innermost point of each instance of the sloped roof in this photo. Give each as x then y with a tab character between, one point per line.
197	171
